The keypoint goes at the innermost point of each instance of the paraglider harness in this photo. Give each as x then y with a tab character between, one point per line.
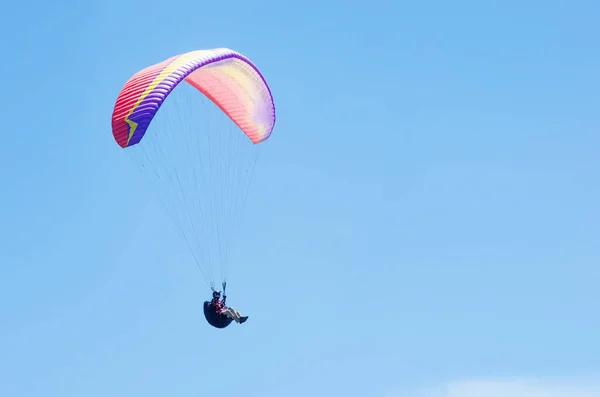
213	313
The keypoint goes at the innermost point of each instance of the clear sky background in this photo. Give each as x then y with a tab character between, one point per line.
425	215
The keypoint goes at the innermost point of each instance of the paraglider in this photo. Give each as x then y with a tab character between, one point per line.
202	168
218	314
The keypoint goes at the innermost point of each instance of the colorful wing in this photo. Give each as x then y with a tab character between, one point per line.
228	78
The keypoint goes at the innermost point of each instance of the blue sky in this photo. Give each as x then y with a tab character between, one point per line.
425	213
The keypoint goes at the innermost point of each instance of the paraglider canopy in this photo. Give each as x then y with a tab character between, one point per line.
228	78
